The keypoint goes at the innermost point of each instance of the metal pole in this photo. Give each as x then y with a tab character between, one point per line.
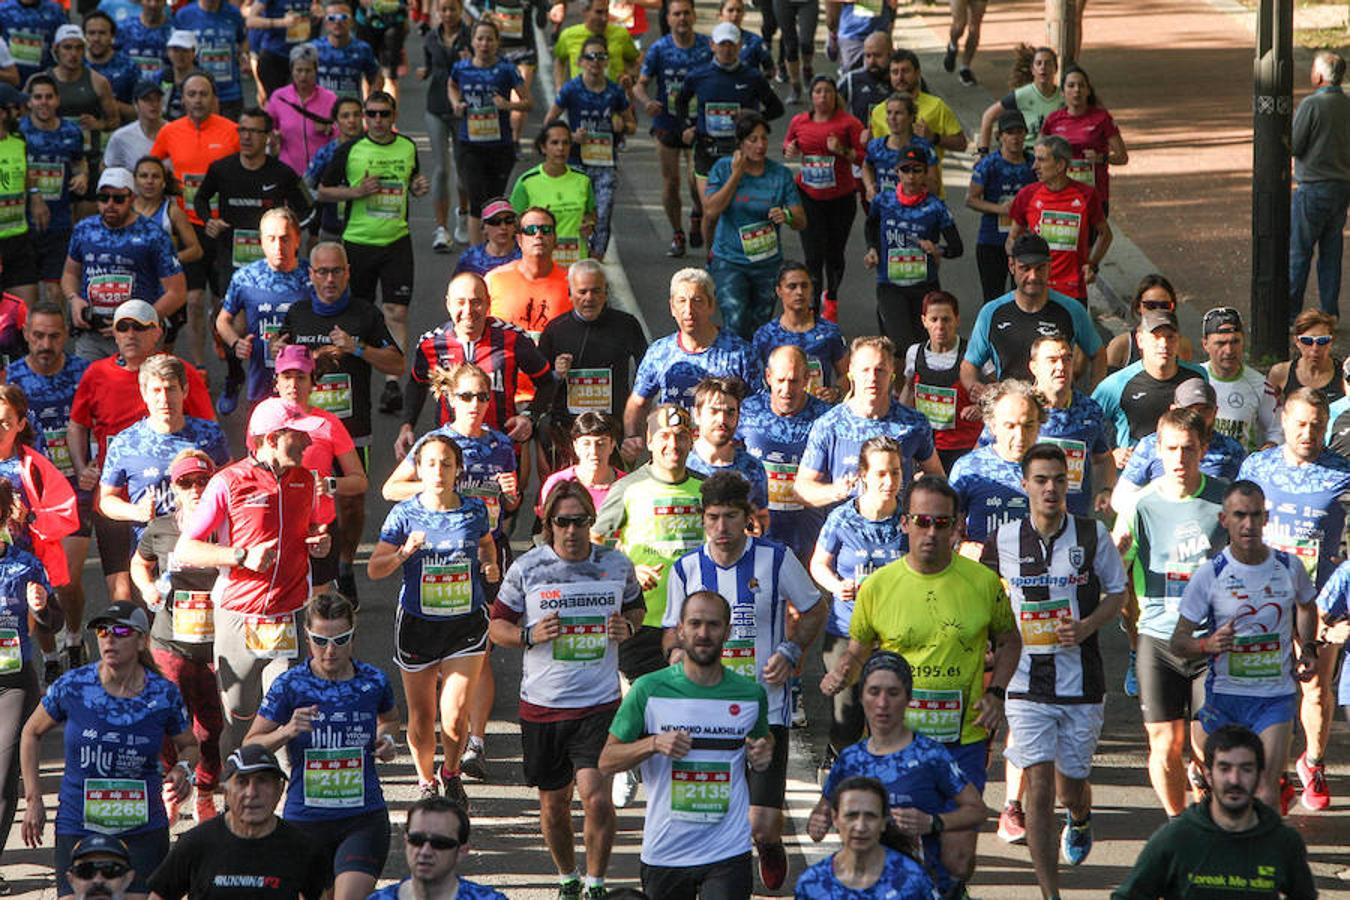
1273	104
1061	29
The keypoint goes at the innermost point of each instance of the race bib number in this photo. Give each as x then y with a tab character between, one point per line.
567	251
247	247
491	495
12	212
11	651
484	125
114	805
86	139
906	265
589	389
1060	229
1082	171
268	329
192	184
1255	656
107	292
335	779
1305	550
1176	576
1004	223
194	620
386	7
677	525
1076	453
938	405
333	394
759	241
597	150
387	201
673	88
700	790
623	14
446	590
272	637
936	714
582	639
50	176
815	374
218	62
818	172
511	22
58	451
1039	619
148	66
739	656
720	119
782	479
26	47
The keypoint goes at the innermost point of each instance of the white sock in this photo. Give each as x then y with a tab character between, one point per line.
594	881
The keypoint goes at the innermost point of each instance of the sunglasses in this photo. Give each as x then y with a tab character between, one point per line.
126	325
532	230
194	481
117	631
572	521
108	868
504	220
466	396
379	113
941	523
912	169
337	640
337	17
437	841
1320	340
595	57
1164	305
105	197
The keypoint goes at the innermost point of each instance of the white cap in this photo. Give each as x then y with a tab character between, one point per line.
725	31
68	33
187	40
117	177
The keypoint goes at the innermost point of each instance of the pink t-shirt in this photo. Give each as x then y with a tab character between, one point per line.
299	136
1092	130
325	446
598	492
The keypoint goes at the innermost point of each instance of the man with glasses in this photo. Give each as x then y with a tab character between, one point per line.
569	604
243	186
1246	399
623	53
249	849
961	608
500	245
114	257
343	59
100	866
329	320
435	842
374	176
531	291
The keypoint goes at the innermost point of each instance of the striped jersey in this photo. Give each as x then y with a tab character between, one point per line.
503	351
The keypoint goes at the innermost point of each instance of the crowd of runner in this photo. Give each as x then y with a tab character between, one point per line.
955	518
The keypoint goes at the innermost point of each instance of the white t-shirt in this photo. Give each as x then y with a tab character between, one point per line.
1246	408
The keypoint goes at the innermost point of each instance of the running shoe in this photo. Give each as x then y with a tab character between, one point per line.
427	789
1012	823
695	230
773	865
440	240
76	656
391	399
570	889
624	789
794	96
228	401
1316	796
595	892
461	227
829	309
1075	841
1131	678
474	762
832	47
967	77
453	789
1196	774
781	75
676	248
1287	794
949	58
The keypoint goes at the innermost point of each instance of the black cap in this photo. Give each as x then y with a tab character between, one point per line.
251	758
1011	120
123	612
1153	319
1222	320
145	89
100	845
1030	249
913	153
1195	392
11	96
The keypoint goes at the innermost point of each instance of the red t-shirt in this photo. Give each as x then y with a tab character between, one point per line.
325	446
1092	130
108	399
1065	219
825	176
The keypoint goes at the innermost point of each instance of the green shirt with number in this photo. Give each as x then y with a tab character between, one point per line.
380	218
13	186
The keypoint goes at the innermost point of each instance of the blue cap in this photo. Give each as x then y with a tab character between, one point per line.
100	844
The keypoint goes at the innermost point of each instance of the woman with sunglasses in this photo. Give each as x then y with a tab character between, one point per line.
1154	294
1090	131
116	712
599	114
562	190
859	536
442	542
595	437
1312	363
484	91
929	795
881	165
875	858
500	246
336	717
183	633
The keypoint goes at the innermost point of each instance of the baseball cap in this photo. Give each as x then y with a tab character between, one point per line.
1030	249
68	33
251	758
100	845
274	414
1011	120
913	154
725	31
182	38
1195	392
137	311
145	89
294	358
1153	319
117	177
668	415
190	465
123	612
11	96
1222	320
495	207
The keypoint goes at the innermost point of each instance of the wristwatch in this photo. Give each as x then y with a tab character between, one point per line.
240	554
938	826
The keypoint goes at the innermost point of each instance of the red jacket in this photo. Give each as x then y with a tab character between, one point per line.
55	514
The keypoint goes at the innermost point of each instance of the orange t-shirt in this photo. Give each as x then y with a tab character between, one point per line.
191	150
529	304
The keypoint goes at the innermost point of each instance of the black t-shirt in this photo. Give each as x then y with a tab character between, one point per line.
604	347
1144	398
210	863
245	194
191	590
1012	331
346	393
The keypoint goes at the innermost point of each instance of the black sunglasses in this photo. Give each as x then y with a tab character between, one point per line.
501	220
572	521
105	197
126	325
108	868
193	481
532	230
379	113
437	841
941	523
595	57
480	396
913	168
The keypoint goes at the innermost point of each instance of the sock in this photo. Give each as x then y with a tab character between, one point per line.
447	773
569	878
594	881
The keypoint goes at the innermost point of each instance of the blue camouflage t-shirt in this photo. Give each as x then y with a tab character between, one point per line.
18	569
990	488
119	264
342	68
51	155
884	160
1001	181
138	459
264	294
778	442
667	64
1223	459
147	46
468	890
442	579
823	344
859	546
744	464
668	373
901	879
121	72
1333	602
592	111
478	260
901	260
837	436
49	400
219	36
485	457
1305	517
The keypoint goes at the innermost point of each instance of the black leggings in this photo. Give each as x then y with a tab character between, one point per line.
768	23
485	169
798	23
18	699
900	312
992	261
274	71
825	239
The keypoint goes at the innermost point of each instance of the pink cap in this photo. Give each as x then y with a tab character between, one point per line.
496	207
190	465
274	414
295	358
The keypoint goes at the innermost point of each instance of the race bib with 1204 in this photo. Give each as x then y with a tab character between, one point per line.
335	779
582	639
700	790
